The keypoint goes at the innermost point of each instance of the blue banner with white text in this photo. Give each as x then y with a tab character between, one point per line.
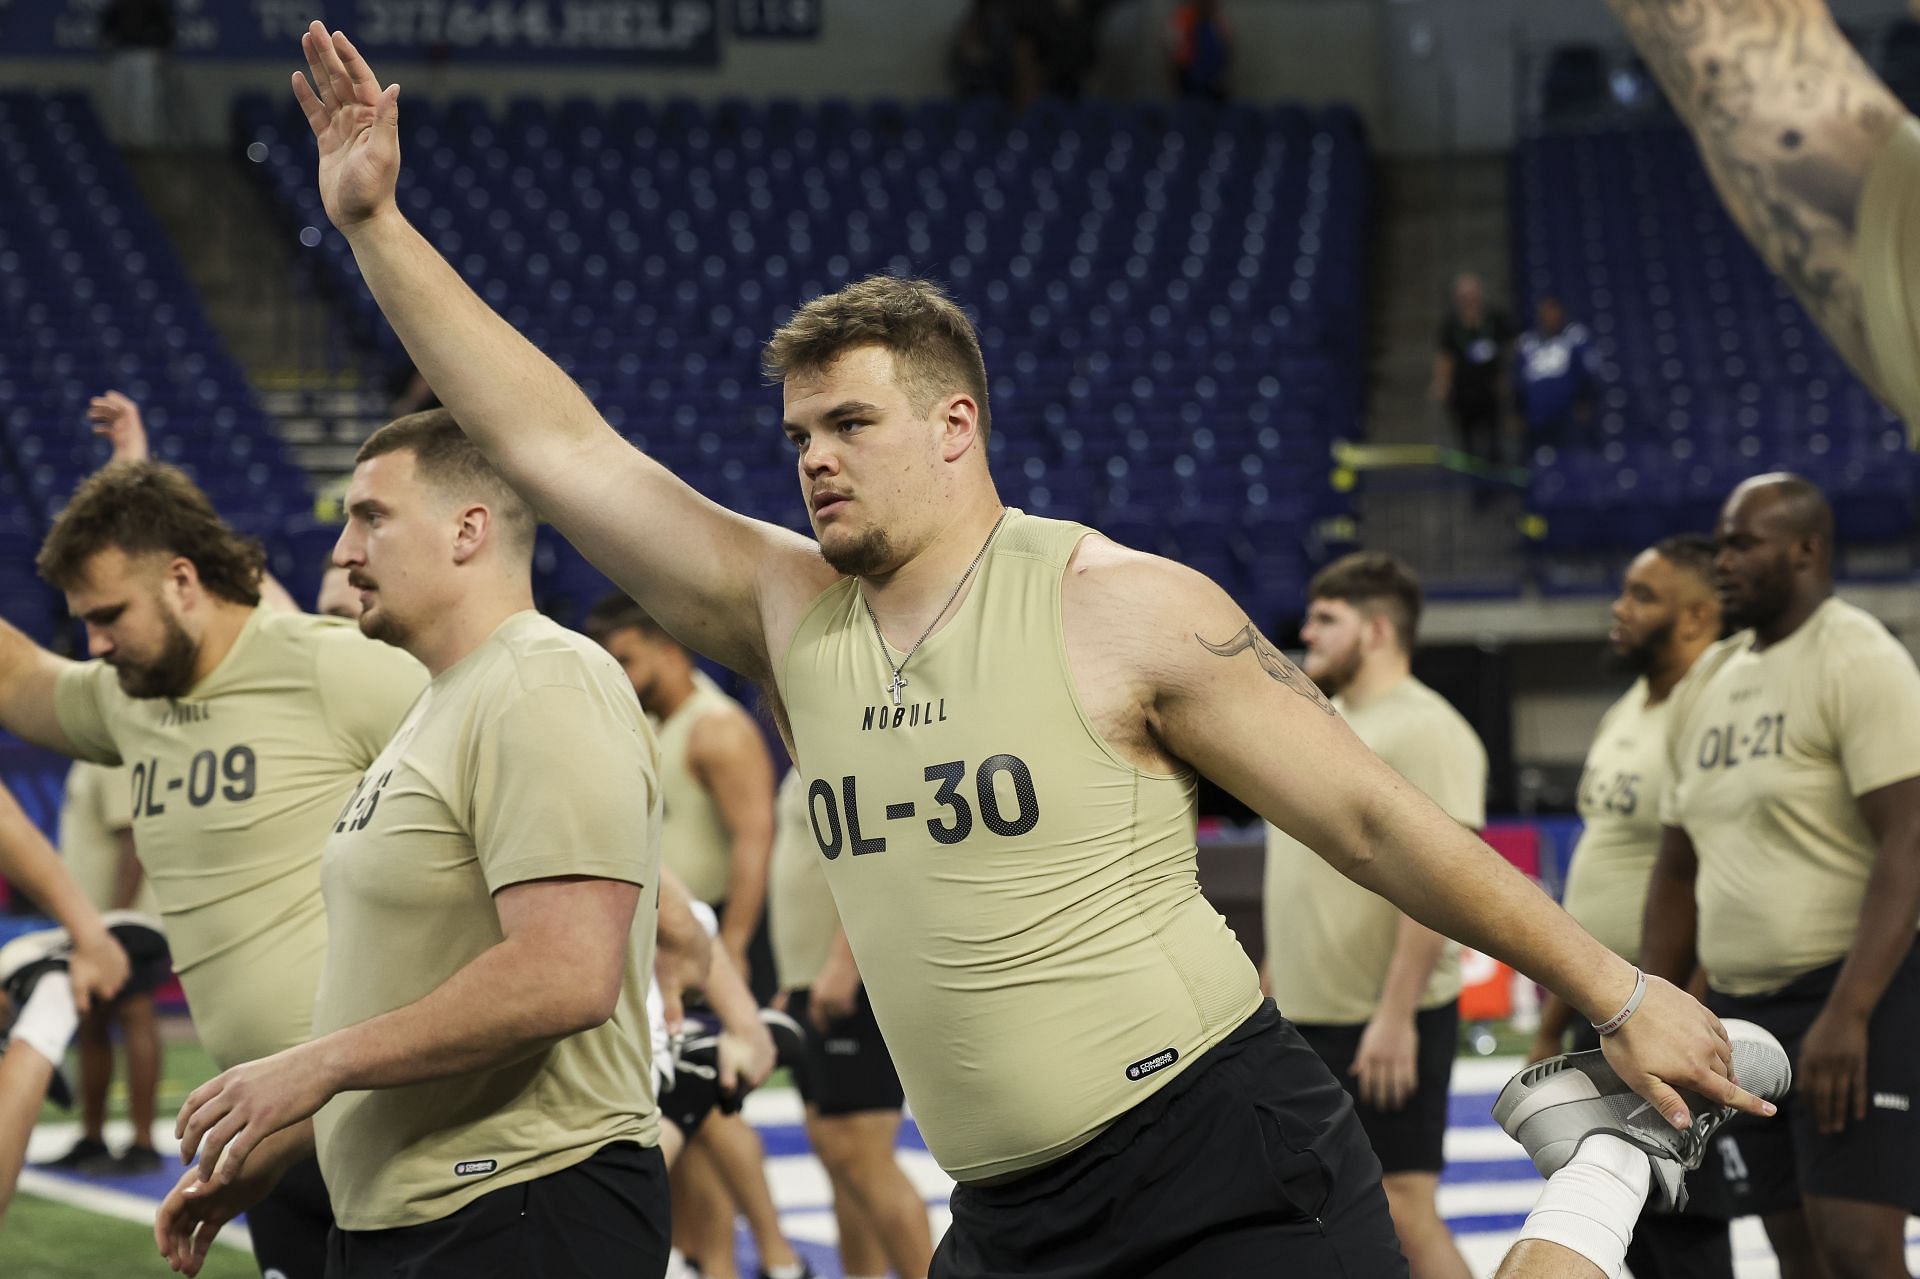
657	33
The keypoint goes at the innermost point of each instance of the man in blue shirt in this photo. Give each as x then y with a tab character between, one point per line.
1557	364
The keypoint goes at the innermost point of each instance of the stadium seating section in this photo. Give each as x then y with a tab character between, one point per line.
1170	299
1710	370
92	296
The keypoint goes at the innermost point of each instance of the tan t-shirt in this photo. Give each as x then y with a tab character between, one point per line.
1023	903
1620	792
95	809
1770	751
1887	263
528	759
695	842
800	912
1330	941
234	788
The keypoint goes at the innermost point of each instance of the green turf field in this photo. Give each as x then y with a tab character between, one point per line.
45	1240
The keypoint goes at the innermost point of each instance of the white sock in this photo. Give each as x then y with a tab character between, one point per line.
48	1022
794	1271
1590	1205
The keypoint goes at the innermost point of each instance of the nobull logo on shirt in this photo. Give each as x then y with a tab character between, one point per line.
879	716
475	1167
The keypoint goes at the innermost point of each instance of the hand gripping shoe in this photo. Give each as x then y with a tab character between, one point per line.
1554	1105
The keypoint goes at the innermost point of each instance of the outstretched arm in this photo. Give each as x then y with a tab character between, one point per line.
725	585
1214	692
1788	119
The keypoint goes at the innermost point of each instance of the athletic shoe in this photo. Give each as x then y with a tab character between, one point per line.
1554	1105
87	1155
135	1160
23	962
692	1090
27	956
30	956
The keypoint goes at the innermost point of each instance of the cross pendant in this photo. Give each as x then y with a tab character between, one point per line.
894	686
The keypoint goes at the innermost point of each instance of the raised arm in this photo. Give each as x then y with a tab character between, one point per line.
727	586
1216	694
1788	119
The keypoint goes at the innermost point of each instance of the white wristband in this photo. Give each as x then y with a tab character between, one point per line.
1619	1019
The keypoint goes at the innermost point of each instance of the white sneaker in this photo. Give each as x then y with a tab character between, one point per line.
1554	1105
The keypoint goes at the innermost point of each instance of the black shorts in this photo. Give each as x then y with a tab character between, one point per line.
291	1225
1771	1163
848	1069
604	1218
1412	1138
1251	1163
145	978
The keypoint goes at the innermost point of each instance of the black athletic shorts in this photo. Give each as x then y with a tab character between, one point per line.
1770	1163
1412	1138
291	1225
604	1218
848	1068
1250	1163
1697	1241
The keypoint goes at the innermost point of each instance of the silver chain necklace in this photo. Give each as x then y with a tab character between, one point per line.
899	681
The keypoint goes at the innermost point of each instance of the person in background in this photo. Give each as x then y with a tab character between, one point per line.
1665	618
1557	363
96	842
1470	369
1375	992
138	35
1202	51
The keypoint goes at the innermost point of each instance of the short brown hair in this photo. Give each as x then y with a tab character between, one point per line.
144	508
933	343
1374	582
454	464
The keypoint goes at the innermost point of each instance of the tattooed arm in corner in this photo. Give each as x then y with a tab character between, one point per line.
1173	676
1788	118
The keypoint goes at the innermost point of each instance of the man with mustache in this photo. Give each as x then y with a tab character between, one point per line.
1006	802
481	1064
243	729
1665	617
1789	869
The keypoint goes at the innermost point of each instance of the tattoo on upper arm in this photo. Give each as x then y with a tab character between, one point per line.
1273	662
1787	118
